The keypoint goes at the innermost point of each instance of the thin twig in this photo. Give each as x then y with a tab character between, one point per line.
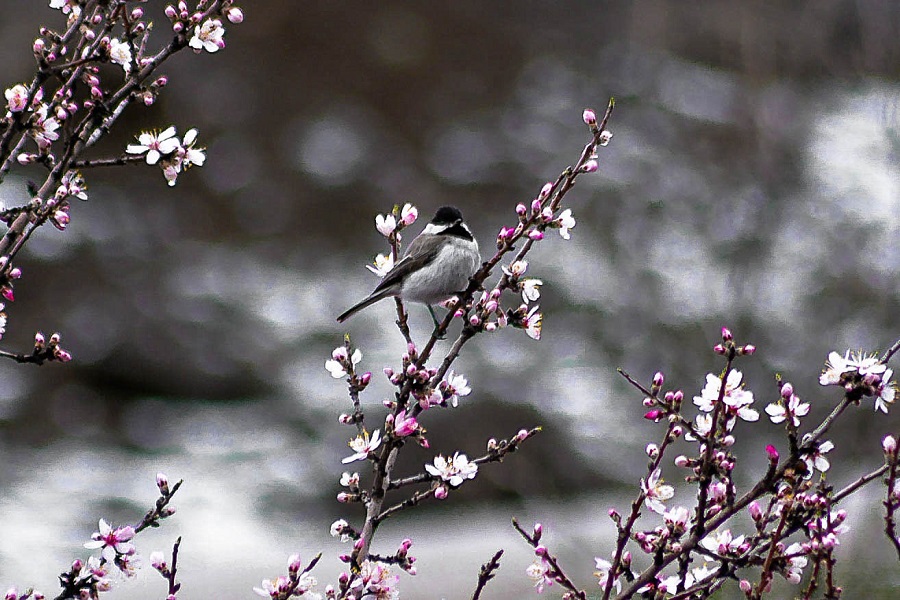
487	572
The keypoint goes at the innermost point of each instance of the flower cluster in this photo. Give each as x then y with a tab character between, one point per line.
691	551
172	154
296	584
860	375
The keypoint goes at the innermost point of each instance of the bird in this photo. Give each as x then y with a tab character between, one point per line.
437	265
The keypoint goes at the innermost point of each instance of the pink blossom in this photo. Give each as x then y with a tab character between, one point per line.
16	98
112	541
403	425
209	36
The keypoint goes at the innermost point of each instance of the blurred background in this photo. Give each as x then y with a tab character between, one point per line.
752	182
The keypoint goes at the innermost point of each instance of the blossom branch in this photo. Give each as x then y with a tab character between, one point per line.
552	569
409	380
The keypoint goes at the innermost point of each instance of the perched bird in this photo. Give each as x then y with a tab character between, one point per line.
437	265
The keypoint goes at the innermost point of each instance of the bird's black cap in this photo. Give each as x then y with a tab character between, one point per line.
447	215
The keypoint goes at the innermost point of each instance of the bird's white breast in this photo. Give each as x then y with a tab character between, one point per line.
446	275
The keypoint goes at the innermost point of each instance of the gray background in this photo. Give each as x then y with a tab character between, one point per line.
752	182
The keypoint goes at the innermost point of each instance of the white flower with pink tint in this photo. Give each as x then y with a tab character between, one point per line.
409	214
886	391
120	54
534	321
737	400
209	36
835	366
383	264
816	459
778	412
340	360
796	562
362	445
656	492
722	542
457	385
539	573
187	151
531	290
17	98
154	144
604	567
376	582
112	542
339	529
44	128
453	470
565	222
385	224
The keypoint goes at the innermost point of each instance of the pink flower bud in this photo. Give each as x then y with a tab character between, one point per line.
772	452
536	205
235	15
653	415
343	497
590	166
535	235
747	349
178	27
541	550
787	390
522	435
589	117
889	444
658	379
719	349
652	450
345	558
366	378
162	482
294	563
521	209
755	510
681	461
605	136
745	586
7	293
39	339
726	335
441	492
137	13
545	191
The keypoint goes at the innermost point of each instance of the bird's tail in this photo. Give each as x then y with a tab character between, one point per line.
372	299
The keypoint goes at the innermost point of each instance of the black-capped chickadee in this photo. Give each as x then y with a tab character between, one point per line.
437	265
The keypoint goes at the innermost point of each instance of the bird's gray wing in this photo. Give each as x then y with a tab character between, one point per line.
421	251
